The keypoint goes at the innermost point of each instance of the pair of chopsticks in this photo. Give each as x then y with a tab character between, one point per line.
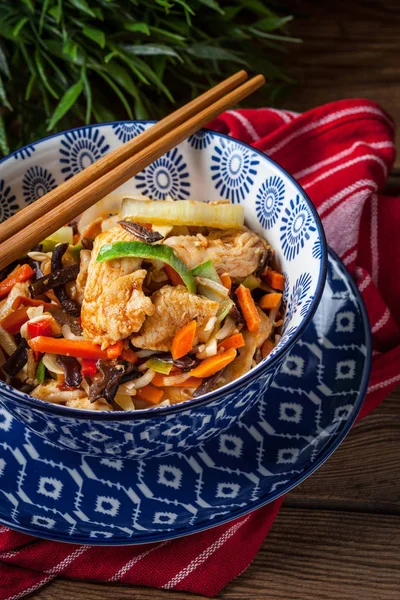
34	223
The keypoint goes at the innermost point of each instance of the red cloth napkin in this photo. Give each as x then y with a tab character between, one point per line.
341	153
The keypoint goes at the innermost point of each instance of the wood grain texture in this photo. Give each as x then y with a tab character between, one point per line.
350	49
307	555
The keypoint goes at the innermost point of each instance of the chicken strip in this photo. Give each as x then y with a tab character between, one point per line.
253	341
174	308
235	251
114	305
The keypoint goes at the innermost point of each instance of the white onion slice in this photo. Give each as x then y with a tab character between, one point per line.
51	364
108	205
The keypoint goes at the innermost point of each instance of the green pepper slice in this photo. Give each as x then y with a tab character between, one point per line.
142	250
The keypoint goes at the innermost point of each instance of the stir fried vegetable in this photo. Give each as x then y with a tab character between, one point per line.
151	394
183	340
183	212
20	274
61	236
40	372
248	308
142	250
79	349
141	232
158	304
275	279
211	365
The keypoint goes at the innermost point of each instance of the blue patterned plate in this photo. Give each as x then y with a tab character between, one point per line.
300	421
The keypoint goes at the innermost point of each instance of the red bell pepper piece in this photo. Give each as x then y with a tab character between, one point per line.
88	367
42	327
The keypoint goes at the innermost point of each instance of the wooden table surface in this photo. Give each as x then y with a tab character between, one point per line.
338	534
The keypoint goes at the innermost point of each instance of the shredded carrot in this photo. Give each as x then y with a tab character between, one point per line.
183	340
75	239
226	281
21	273
266	348
275	280
77	348
115	350
129	355
150	393
175	278
248	308
235	341
270	301
21	300
13	322
213	364
159	381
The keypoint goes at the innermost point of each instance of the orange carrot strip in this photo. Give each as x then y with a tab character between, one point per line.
115	350
159	381
175	278
12	322
21	273
226	281
30	302
77	348
235	341
129	355
183	340
270	301
266	348
275	280
248	308
150	393
212	365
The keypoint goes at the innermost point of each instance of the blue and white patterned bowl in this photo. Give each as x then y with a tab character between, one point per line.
207	166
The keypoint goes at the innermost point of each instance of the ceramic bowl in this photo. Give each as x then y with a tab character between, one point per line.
207	166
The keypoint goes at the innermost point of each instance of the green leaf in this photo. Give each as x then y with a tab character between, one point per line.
88	93
3	96
3	137
29	87
175	37
275	36
214	53
56	12
29	4
43	76
57	70
121	76
212	4
96	35
118	92
66	102
71	48
139	27
150	50
43	15
272	23
102	114
3	63
19	25
99	13
83	6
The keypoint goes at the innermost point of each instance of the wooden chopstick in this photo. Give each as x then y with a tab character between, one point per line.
105	164
36	231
